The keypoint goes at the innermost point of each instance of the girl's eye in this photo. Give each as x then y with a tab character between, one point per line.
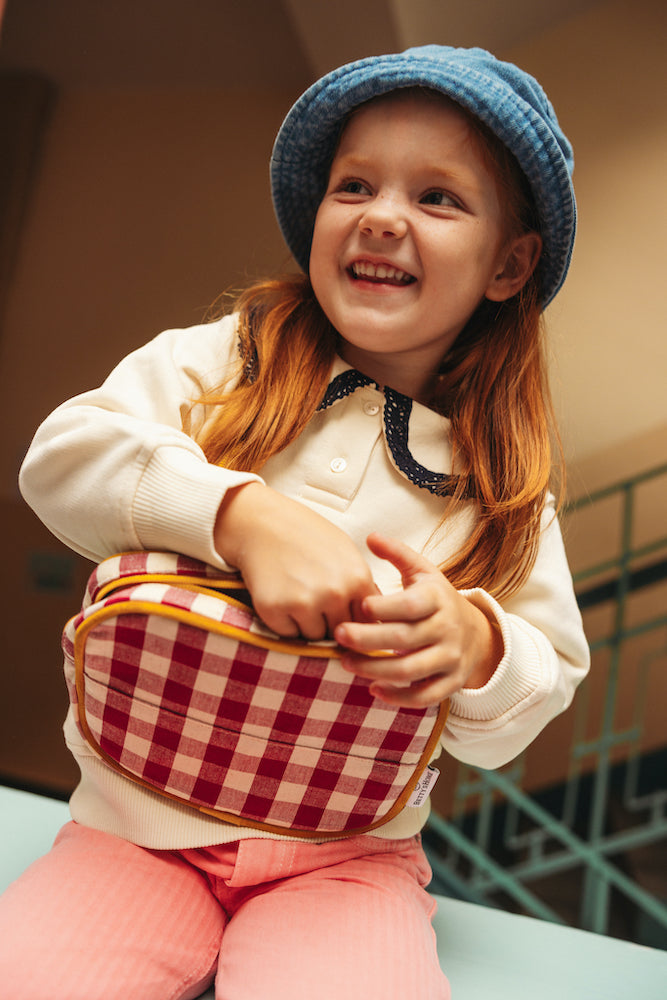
352	186
438	197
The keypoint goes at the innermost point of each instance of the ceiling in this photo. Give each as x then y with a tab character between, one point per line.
281	44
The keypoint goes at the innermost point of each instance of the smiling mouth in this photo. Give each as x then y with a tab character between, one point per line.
364	270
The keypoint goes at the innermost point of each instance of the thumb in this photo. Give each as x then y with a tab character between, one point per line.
410	564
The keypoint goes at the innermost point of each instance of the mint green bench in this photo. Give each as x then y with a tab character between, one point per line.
486	953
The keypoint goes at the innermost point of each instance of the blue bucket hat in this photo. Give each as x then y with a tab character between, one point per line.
508	100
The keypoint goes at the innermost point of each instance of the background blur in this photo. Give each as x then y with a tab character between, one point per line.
134	190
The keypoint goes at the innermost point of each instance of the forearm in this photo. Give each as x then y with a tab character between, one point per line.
115	468
107	492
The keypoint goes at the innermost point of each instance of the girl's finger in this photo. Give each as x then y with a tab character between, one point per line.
379	636
430	692
419	601
401	669
410	564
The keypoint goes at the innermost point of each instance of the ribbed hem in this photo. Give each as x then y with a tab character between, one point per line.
178	498
109	802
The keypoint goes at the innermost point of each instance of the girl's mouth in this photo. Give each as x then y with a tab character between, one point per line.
365	270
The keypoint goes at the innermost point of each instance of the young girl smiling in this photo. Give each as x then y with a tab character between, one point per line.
369	445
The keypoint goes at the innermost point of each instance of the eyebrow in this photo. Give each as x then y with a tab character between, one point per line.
355	162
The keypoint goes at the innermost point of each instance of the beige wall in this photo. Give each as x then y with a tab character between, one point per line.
606	73
147	205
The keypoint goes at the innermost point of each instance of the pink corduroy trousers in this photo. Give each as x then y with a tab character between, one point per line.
265	919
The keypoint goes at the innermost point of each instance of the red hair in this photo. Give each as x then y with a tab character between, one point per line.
286	348
494	390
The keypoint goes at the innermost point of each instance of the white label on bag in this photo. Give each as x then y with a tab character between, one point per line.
424	786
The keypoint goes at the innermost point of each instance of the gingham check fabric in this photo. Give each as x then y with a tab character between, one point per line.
236	726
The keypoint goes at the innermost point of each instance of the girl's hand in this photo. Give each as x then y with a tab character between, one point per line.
439	641
304	574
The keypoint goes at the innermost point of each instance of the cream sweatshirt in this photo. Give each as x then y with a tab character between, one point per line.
117	468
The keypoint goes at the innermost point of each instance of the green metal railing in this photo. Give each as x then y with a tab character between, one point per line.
499	841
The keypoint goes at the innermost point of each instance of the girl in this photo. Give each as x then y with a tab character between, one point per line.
369	445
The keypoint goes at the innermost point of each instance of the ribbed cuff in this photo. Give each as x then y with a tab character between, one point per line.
177	501
516	677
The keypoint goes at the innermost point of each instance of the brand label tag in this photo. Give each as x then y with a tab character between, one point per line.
424	786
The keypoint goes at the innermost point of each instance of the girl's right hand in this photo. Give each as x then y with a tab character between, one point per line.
305	575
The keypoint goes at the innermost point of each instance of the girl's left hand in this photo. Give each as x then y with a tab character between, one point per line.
439	641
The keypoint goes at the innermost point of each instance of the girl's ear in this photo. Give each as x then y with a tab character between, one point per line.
517	263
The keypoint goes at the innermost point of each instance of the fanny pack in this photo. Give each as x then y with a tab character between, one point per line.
181	688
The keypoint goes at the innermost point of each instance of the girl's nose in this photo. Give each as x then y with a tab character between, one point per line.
384	217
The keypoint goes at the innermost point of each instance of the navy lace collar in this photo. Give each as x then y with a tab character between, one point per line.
398	410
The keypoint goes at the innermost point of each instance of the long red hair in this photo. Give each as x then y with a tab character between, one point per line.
492	386
286	349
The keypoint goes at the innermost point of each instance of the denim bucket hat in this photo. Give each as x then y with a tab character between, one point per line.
508	100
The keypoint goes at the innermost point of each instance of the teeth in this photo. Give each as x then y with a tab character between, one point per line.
381	272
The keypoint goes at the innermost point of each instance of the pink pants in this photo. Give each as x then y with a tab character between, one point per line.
267	920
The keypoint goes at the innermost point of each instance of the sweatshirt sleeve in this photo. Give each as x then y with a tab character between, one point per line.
545	657
117	468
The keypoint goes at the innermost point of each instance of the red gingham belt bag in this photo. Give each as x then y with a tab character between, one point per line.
181	688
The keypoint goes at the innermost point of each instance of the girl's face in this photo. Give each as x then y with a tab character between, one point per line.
408	239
